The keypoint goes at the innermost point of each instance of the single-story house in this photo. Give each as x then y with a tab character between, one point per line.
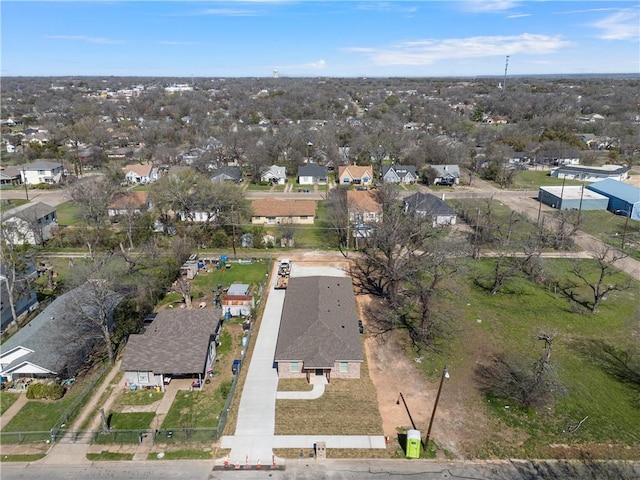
312	174
238	300
624	199
319	330
129	203
274	174
31	223
426	205
355	175
404	174
177	343
591	174
10	175
227	174
271	211
55	344
120	153
446	174
362	207
572	197
140	174
41	171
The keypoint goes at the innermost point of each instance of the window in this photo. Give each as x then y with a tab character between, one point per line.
271	219
345	180
344	367
143	377
304	217
294	367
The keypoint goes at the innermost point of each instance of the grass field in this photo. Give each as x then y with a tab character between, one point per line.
532	179
611	229
6	400
510	322
131	421
68	214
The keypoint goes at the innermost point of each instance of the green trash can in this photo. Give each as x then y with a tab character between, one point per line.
413	444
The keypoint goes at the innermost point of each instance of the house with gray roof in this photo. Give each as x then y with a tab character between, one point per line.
445	174
178	343
31	223
274	175
404	174
42	171
55	343
426	205
319	330
591	174
312	174
227	174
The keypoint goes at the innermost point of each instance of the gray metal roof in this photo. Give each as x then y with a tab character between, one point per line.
41	165
177	341
447	170
58	340
319	324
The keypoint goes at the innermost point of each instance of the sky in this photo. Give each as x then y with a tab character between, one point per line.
302	38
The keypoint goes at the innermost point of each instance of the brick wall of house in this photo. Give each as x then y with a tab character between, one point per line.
284	370
353	370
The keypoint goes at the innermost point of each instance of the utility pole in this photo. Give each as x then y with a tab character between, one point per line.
24	180
445	374
626	223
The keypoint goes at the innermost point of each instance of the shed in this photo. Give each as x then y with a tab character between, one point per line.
624	199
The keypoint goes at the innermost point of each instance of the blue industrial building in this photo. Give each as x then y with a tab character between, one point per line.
574	197
624	199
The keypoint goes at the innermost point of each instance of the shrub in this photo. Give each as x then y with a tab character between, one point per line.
39	391
225	388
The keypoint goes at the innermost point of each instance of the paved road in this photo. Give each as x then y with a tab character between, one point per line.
310	469
50	197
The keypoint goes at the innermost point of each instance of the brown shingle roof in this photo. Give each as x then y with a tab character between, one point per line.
177	341
141	170
319	323
363	201
268	207
132	199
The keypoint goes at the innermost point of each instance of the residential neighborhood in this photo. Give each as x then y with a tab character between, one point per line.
449	255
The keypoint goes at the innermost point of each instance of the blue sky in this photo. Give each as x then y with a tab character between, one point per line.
309	38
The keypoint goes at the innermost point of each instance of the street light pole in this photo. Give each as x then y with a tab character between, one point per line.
445	374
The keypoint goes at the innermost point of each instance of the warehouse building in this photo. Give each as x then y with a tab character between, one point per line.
624	199
572	198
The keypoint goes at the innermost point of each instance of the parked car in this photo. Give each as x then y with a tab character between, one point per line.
360	326
235	368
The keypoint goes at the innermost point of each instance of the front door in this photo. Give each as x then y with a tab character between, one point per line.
319	372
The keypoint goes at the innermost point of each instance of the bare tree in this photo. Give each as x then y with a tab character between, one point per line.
97	297
93	197
597	282
14	264
183	287
516	379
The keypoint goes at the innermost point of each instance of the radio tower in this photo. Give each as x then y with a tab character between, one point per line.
504	82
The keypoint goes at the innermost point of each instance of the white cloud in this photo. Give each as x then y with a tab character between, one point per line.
429	51
622	25
519	15
85	38
228	12
489	5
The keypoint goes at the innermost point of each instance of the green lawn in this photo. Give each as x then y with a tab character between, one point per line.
200	408
68	214
131	421
610	228
532	179
136	398
12	203
6	400
510	322
252	273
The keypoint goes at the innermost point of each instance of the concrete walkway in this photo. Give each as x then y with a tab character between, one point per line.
256	413
317	391
254	437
